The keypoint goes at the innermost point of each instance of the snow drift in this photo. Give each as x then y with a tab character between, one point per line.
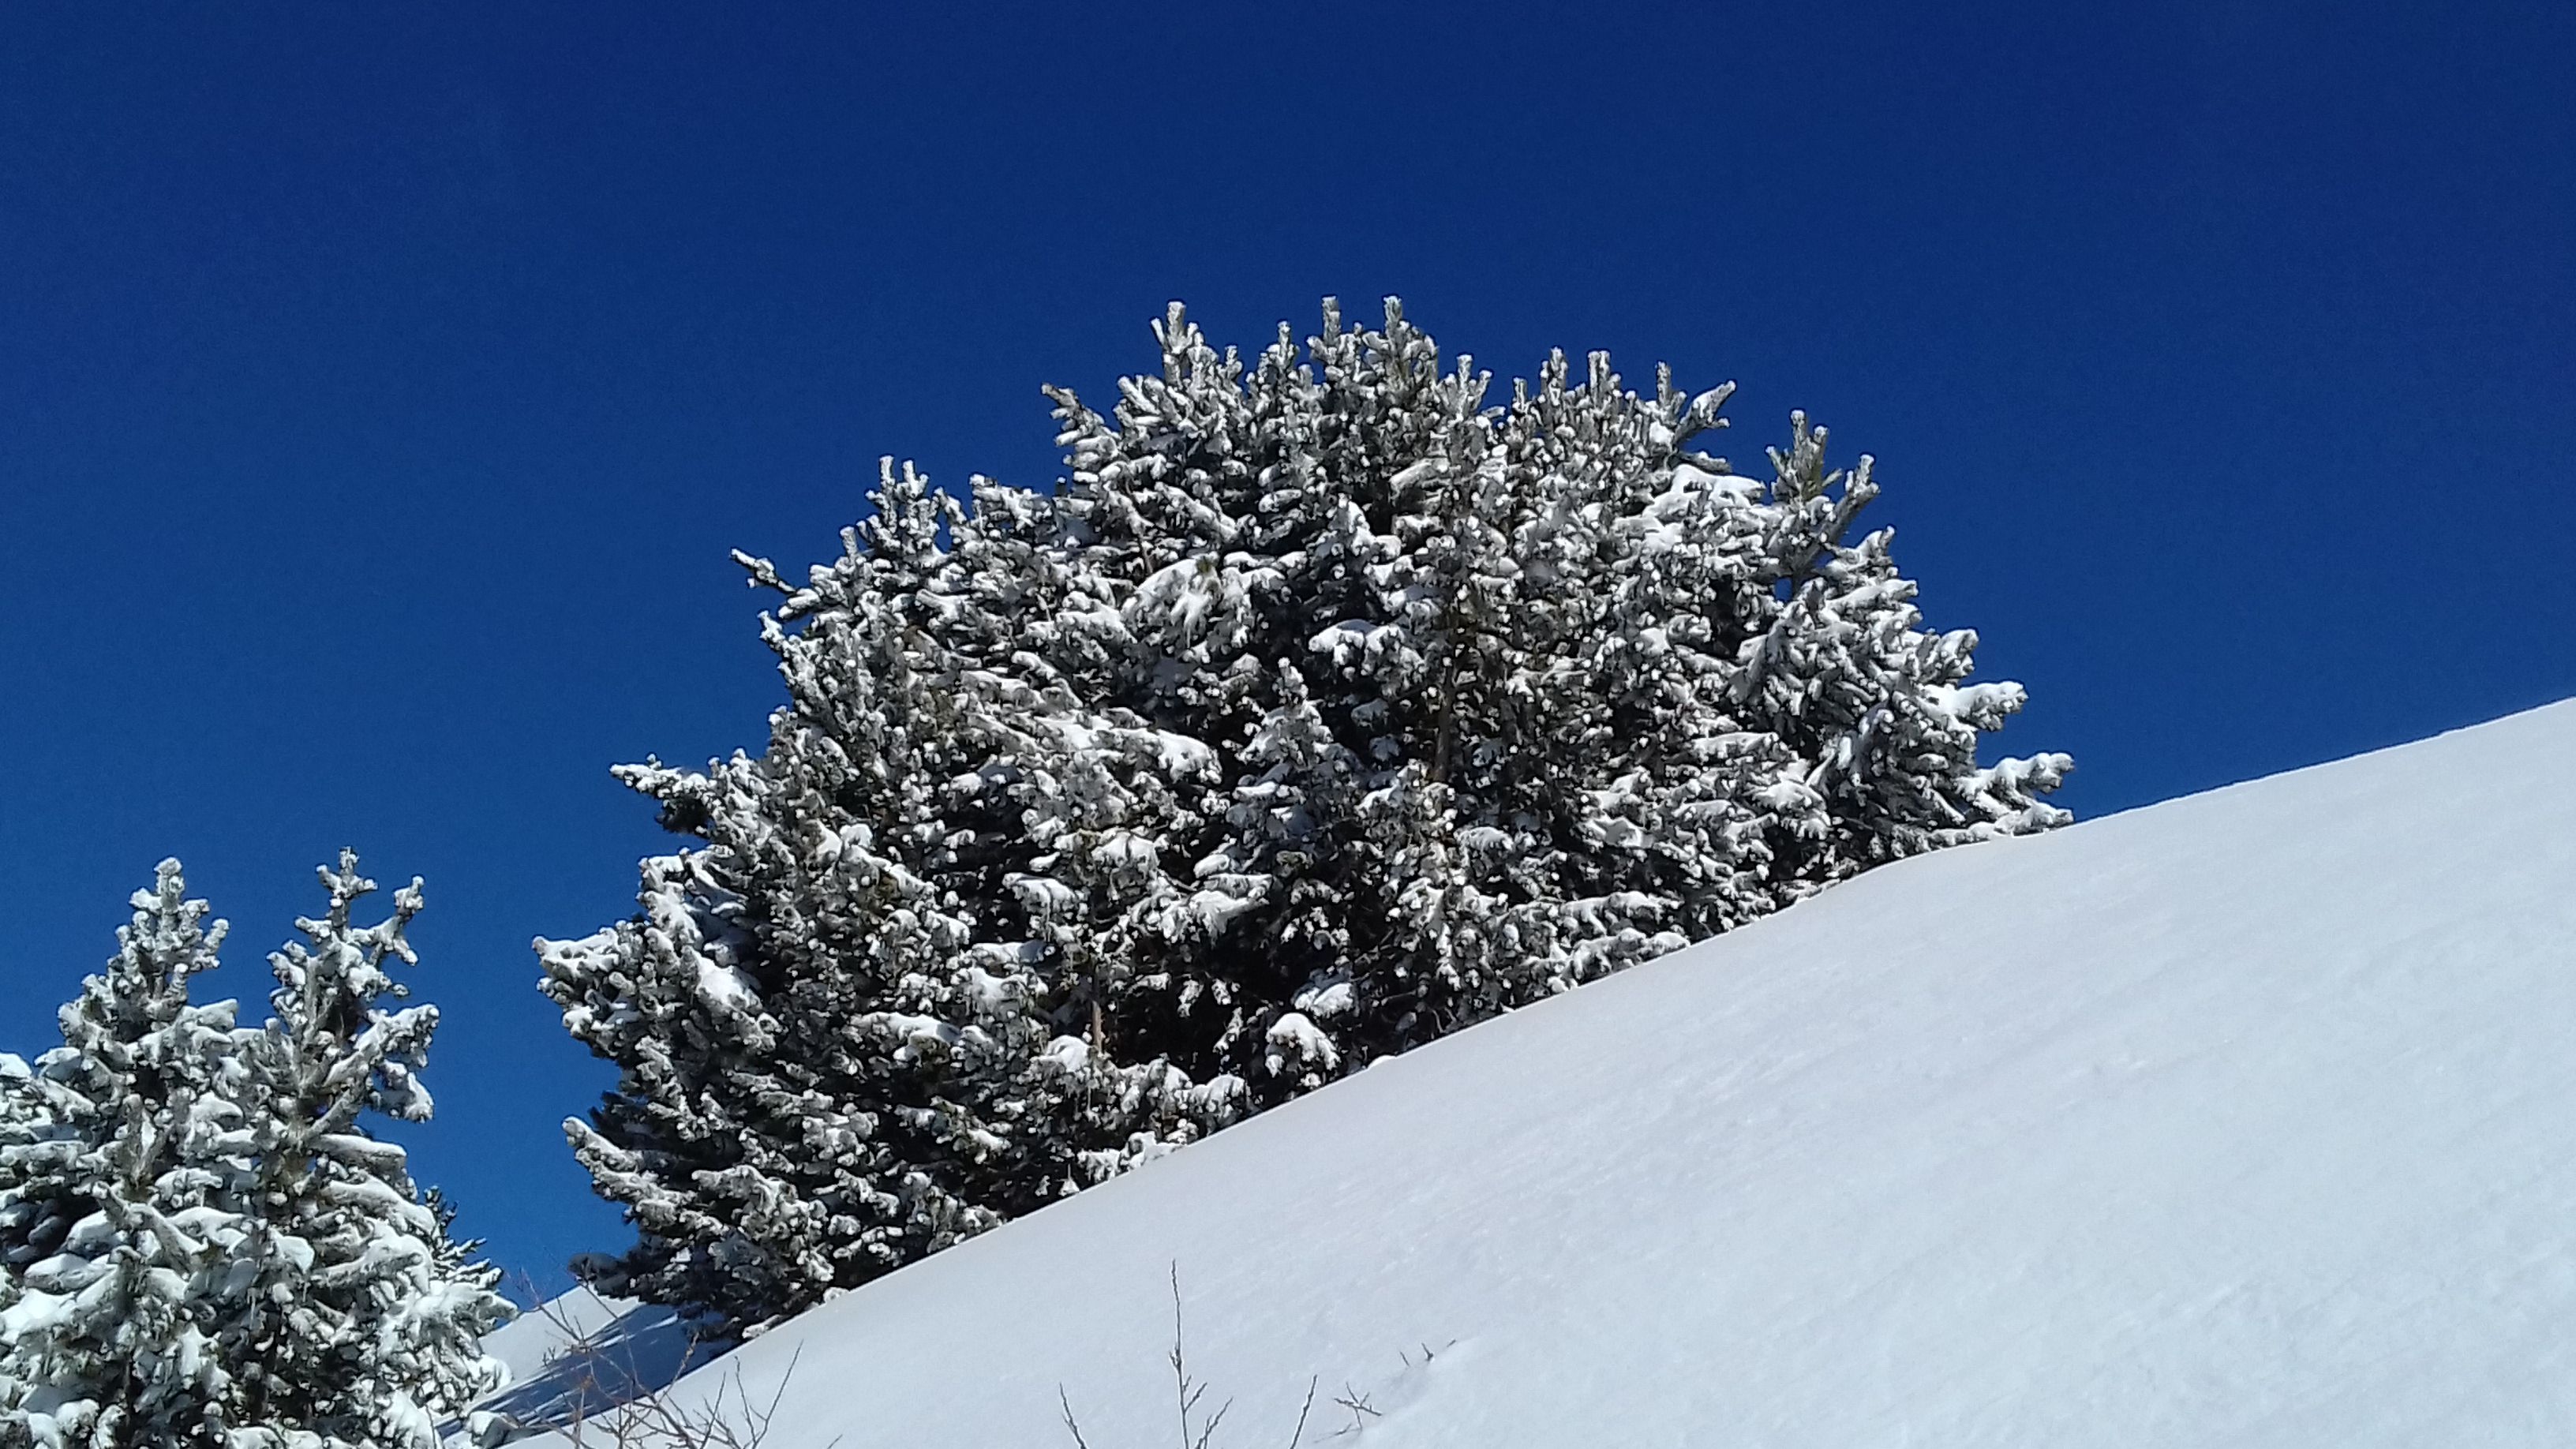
2245	1119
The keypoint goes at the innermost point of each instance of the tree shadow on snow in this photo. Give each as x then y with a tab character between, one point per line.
596	1366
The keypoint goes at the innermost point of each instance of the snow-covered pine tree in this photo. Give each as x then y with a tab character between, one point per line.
836	1057
1324	707
22	1122
110	1171
201	1245
1875	709
349	1318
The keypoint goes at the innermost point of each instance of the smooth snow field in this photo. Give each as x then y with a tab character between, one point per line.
2247	1119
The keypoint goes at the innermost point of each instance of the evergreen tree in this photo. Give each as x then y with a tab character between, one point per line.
352	1319
202	1245
22	1123
1323	708
836	1059
108	1204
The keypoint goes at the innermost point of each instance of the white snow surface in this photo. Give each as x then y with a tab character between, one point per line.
2246	1119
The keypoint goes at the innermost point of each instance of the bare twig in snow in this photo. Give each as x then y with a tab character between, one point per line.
1196	1433
1070	1426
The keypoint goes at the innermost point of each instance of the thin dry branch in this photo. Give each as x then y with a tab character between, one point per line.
1187	1393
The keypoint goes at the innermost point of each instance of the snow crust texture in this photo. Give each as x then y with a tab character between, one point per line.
2249	1119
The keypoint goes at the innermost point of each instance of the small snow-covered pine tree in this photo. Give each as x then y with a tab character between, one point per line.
202	1246
110	1170
351	1320
1325	707
22	1122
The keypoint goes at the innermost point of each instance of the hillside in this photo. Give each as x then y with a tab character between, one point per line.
2246	1119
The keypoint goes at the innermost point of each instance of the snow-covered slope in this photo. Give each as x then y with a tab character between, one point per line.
2248	1119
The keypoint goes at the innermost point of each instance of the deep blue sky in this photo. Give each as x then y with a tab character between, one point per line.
381	387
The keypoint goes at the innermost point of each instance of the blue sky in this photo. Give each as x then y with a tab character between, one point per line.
381	387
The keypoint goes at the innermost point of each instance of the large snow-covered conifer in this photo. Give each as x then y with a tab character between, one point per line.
822	1086
1325	706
